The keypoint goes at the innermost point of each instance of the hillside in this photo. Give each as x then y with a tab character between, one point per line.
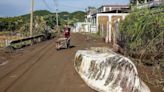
71	18
63	16
39	13
22	22
77	15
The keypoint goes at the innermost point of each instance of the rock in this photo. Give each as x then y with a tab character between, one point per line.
106	71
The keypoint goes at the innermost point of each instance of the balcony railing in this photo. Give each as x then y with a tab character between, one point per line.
149	4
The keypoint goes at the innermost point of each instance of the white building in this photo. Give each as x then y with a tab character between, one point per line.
105	20
90	12
82	27
106	24
107	8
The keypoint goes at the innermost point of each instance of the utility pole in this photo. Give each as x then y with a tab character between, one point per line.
57	21
137	2
31	18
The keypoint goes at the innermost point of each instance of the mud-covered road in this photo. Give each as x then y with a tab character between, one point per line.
40	68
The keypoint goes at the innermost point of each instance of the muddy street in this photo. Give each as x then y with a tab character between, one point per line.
40	68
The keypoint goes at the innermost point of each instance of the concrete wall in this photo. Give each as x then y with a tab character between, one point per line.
82	27
108	23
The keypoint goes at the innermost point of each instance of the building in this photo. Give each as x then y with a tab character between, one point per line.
148	3
82	27
105	20
108	8
90	11
106	24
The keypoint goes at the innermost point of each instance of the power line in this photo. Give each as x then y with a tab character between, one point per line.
56	4
46	4
70	6
63	5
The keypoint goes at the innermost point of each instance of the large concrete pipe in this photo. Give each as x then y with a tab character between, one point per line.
106	71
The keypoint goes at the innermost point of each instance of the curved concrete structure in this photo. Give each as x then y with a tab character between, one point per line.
106	71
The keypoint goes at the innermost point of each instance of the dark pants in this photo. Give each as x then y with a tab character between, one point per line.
68	42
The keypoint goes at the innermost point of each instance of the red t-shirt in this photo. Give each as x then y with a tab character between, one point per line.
67	32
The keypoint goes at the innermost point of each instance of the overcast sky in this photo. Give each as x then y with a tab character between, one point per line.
19	7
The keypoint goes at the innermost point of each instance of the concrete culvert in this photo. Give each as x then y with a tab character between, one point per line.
106	71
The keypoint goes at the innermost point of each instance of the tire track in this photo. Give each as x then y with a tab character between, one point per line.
34	58
24	62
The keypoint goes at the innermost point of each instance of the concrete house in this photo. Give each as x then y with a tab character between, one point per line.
87	26
89	18
81	27
105	20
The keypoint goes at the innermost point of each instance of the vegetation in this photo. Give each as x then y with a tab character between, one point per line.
43	22
142	35
71	18
142	38
43	19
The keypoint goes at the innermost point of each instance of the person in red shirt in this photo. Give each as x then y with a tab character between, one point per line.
67	34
